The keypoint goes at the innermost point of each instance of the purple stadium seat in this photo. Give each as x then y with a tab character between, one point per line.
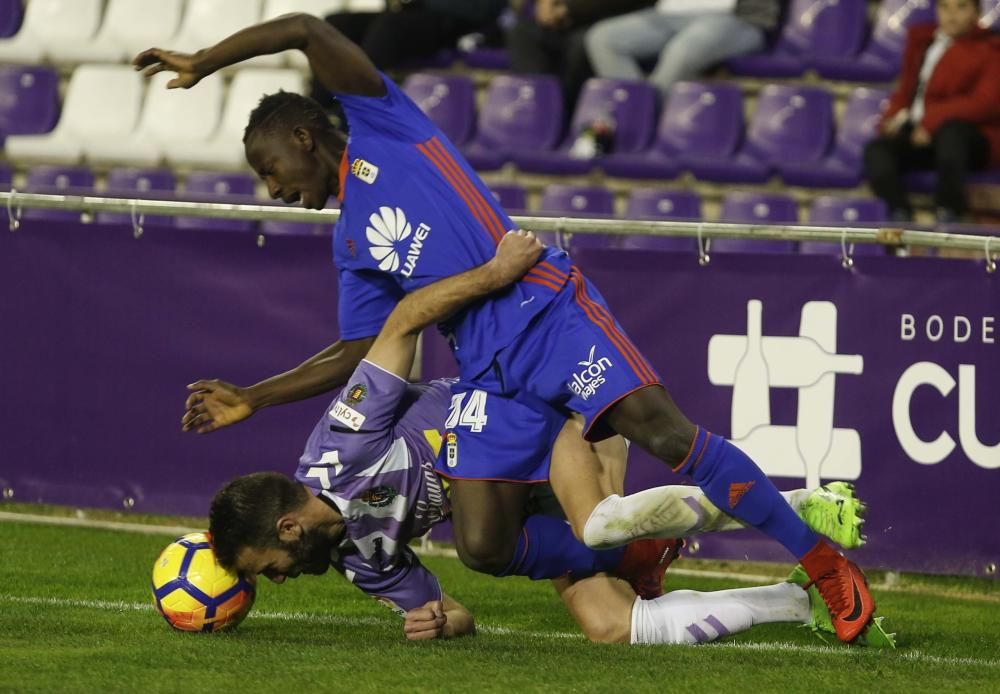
699	121
842	167
486	58
522	113
29	100
757	208
629	105
64	180
814	28
6	176
449	101
11	14
215	186
925	181
880	60
579	201
126	182
836	211
991	15
510	196
656	203
791	123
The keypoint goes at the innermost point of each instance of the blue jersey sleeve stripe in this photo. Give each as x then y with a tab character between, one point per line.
495	225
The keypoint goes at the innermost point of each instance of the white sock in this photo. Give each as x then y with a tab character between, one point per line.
662	512
689	617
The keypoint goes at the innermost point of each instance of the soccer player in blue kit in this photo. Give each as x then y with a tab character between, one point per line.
414	212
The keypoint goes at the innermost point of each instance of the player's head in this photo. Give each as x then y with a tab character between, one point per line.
957	17
288	143
260	525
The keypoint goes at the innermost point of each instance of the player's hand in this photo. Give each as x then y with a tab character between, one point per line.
154	60
425	622
517	253
920	137
213	405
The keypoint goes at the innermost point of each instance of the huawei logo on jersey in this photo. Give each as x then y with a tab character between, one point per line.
386	229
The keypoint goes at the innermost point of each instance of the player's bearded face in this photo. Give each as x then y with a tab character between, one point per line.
310	554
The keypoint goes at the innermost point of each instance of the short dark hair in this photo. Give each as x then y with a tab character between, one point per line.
286	110
245	513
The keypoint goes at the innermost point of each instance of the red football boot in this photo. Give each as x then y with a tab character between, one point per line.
843	587
644	564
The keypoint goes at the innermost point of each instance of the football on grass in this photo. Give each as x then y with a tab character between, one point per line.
193	592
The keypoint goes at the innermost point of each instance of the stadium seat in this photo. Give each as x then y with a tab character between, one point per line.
11	14
629	106
147	183
757	208
50	27
218	186
224	149
831	28
511	196
29	100
486	58
448	100
206	22
842	167
925	181
791	123
991	15
317	8
837	211
578	201
102	103
128	28
519	113
170	117
657	203
67	180
699	121
880	59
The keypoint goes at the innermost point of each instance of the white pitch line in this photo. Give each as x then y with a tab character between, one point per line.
428	548
336	620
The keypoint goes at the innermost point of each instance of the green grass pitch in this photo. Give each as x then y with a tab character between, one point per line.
76	616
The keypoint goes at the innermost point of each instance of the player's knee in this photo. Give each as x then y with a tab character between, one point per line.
671	445
601	631
484	553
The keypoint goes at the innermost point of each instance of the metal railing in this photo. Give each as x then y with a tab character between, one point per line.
704	232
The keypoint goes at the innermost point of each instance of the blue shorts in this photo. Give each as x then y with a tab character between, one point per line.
574	357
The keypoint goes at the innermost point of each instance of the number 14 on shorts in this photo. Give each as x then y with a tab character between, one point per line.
470	414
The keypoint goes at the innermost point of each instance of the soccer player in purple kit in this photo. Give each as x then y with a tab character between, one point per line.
366	486
414	212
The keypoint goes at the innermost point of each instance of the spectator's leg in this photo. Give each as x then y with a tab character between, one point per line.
576	67
353	25
959	147
617	46
527	49
886	158
701	43
395	37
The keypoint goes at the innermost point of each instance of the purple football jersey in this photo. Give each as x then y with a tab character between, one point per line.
372	455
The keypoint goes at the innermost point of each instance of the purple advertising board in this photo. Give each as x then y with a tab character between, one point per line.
885	375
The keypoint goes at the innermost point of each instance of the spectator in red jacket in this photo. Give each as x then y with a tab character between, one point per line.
944	114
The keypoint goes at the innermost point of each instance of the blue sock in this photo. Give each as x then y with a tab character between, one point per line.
734	483
547	548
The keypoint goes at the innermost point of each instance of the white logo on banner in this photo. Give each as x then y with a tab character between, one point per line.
753	364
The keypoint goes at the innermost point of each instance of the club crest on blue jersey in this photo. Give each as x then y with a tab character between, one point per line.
377	497
364	170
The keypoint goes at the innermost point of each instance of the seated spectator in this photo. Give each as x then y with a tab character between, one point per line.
944	113
684	37
410	29
548	39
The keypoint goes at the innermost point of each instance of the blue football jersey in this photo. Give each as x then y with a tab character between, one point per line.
414	212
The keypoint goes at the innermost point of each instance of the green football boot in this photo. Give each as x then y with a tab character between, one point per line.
834	511
875	635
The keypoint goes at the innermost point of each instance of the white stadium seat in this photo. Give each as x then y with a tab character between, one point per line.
51	26
365	5
129	26
224	150
169	117
318	8
206	22
102	103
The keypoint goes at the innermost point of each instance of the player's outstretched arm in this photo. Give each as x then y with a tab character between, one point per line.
214	404
396	344
337	63
439	619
